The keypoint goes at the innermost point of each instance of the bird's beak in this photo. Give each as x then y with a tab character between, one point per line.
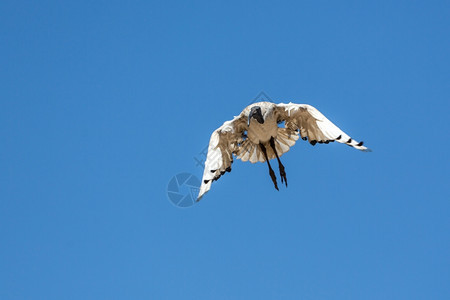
249	117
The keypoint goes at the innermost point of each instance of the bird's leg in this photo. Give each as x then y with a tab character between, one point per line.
280	165
271	172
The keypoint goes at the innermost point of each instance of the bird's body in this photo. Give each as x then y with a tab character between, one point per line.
255	136
261	133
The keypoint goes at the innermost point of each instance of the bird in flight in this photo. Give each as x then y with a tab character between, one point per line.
254	135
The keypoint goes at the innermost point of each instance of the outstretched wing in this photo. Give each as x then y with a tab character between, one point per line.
223	143
313	125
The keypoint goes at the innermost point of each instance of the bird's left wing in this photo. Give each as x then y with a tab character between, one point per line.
313	125
223	144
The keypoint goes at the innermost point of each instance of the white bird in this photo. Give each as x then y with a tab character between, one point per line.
254	135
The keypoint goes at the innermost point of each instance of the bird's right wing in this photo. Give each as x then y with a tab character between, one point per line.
222	145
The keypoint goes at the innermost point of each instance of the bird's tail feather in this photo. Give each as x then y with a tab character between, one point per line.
285	139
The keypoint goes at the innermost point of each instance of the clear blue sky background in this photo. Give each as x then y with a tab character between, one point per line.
102	102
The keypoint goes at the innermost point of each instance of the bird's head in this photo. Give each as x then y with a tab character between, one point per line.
255	113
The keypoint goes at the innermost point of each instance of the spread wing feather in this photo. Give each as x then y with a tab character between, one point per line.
224	142
313	125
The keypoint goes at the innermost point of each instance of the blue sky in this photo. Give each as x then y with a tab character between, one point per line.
103	102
